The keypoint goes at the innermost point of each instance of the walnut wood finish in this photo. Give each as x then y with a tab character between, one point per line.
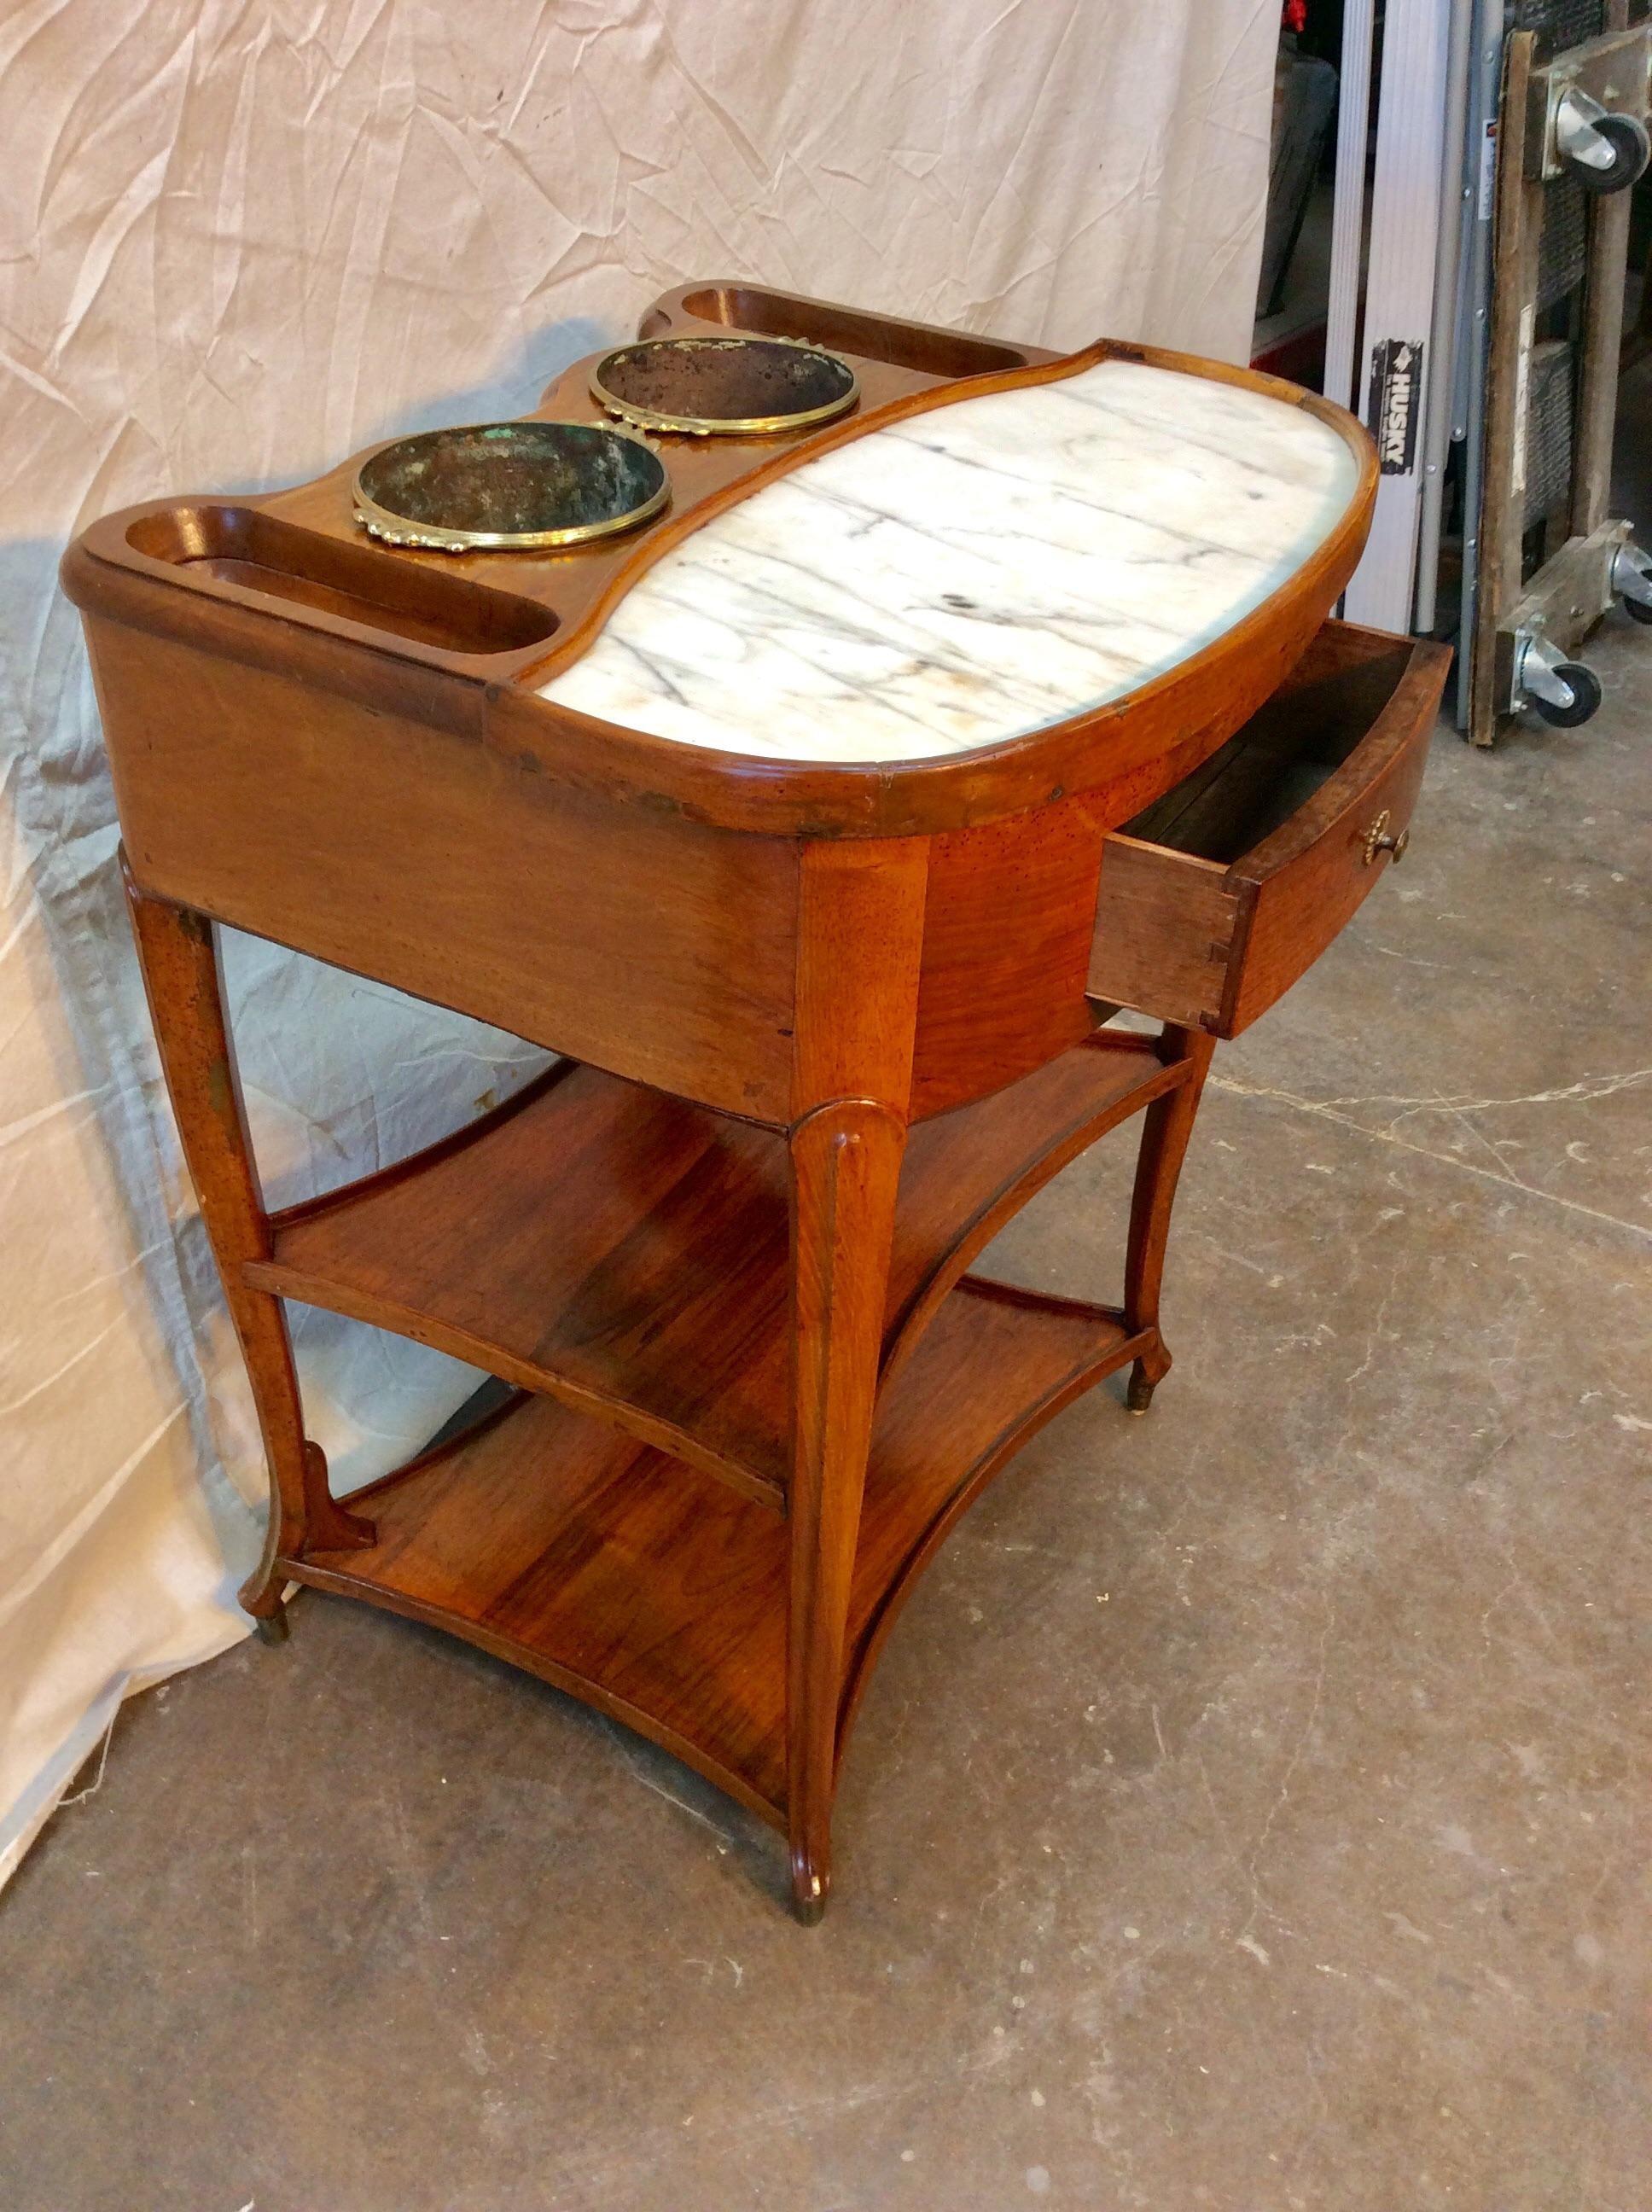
564	1538
1164	1139
178	954
682	1202
657	1594
365	836
611	1290
859	950
827	1028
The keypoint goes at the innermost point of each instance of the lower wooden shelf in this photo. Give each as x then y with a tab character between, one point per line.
650	1588
629	1254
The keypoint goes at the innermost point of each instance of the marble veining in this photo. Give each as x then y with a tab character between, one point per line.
972	573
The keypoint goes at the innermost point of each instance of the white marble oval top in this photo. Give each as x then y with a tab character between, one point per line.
971	574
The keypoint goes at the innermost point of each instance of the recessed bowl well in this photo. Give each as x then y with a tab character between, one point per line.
509	487
732	386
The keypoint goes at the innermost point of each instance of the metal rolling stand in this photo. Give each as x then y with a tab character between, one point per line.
1546	559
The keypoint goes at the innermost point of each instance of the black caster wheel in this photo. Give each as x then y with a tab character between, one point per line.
1585	687
1627	137
1639	609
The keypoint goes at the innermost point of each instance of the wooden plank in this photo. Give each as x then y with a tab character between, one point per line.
1164	924
1567	596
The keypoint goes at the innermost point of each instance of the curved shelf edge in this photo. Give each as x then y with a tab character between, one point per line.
905	1325
589	1691
526	1375
1105	1358
638	1584
473	1132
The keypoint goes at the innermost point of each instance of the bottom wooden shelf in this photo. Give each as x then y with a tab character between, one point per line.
657	1593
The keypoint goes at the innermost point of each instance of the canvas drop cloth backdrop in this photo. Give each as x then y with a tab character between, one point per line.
240	238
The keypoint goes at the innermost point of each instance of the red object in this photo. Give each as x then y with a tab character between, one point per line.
1295	17
1299	356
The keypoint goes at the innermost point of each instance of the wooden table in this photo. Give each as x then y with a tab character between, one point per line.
819	824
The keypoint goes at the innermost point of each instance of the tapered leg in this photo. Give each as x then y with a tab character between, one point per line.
1167	1125
177	952
845	1165
861	911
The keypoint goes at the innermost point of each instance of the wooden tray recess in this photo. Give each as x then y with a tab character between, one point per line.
257	553
939	353
554	594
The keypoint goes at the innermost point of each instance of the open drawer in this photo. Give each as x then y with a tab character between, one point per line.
1214	900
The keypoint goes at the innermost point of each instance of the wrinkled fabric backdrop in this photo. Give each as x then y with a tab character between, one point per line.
240	238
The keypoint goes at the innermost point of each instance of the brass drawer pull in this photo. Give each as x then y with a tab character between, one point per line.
1379	838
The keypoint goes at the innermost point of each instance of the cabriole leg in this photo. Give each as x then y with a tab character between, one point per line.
1167	1127
176	949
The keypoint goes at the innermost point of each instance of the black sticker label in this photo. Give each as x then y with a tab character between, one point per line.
1396	392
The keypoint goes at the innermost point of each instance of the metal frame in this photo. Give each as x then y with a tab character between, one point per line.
1348	205
1400	295
1459	180
1483	93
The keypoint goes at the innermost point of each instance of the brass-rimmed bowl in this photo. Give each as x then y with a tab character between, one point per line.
730	387
509	487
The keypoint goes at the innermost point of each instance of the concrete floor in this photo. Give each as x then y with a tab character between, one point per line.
1250	1812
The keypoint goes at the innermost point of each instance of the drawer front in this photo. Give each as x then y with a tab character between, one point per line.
1211	942
1301	887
